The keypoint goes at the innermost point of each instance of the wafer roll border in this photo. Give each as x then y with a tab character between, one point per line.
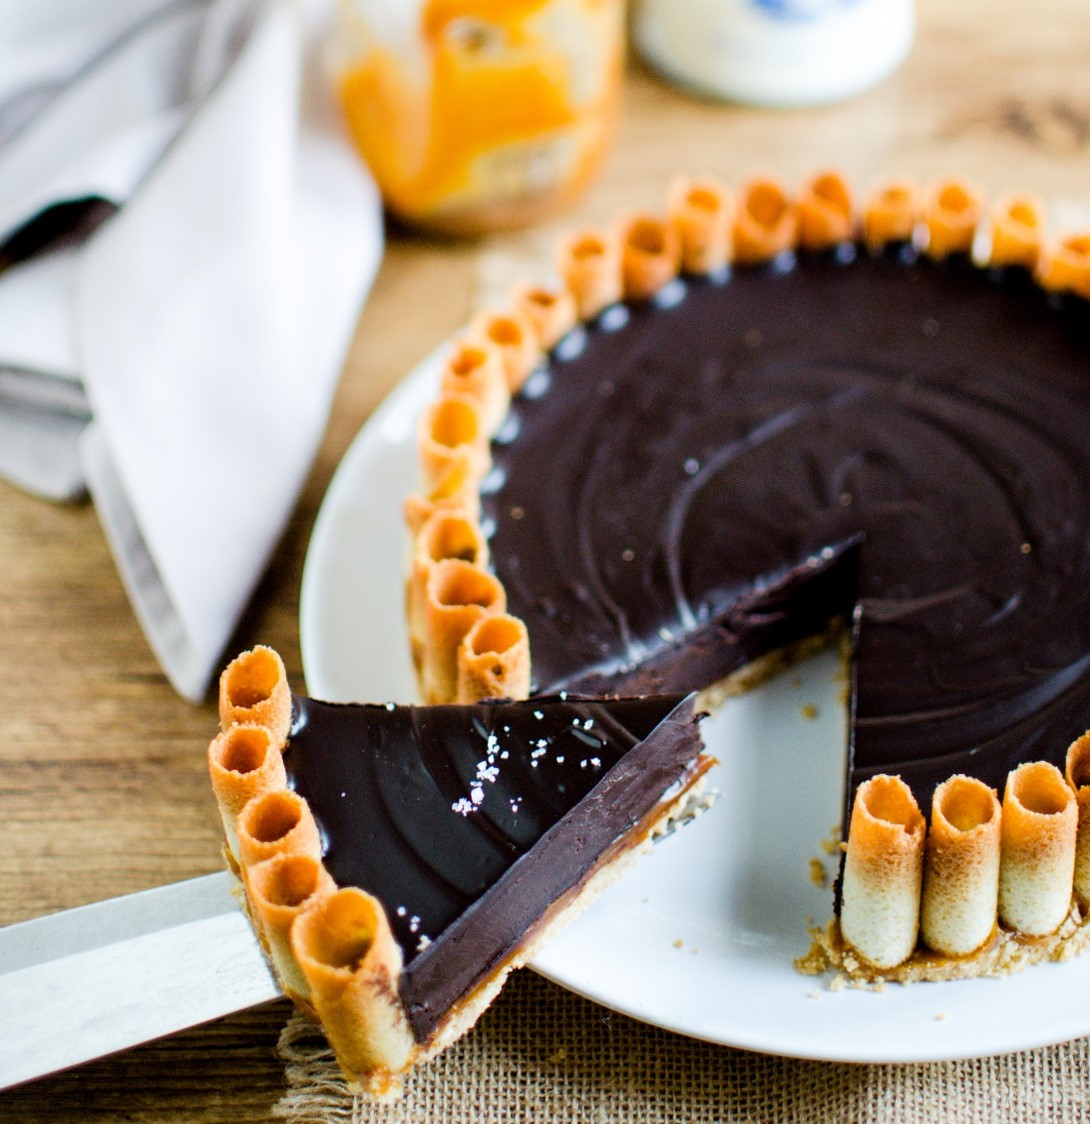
514	334
457	595
1019	867
494	660
245	760
276	850
280	889
765	223
883	872
952	214
961	867
701	210
1077	775
347	953
1039	828
892	214
826	212
1018	230
445	534
650	255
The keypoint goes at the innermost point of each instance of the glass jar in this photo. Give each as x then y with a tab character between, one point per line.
475	115
774	52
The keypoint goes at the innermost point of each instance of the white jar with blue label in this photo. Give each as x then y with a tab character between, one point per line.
774	52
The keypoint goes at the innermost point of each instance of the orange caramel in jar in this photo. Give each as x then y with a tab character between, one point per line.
475	115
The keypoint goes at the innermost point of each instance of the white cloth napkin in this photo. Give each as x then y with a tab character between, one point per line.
181	361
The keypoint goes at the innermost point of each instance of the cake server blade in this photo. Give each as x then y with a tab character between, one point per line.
87	982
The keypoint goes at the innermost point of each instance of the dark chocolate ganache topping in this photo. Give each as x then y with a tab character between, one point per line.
903	444
469	822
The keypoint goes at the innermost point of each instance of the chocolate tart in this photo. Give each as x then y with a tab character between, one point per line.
398	862
867	437
871	431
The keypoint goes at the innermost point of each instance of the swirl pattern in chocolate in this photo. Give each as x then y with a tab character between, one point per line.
690	483
469	823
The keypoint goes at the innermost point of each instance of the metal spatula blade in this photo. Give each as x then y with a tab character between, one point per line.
88	982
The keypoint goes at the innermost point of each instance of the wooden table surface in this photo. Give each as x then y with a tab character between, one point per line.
103	787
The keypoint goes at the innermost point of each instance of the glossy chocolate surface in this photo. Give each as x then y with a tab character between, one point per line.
469	822
691	483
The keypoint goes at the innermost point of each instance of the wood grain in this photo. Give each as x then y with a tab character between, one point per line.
102	781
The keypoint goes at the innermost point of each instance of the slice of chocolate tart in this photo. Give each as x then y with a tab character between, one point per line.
399	861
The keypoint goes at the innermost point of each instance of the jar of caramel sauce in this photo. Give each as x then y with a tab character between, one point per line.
477	115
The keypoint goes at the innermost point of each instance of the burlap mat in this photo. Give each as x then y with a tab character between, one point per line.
542	1054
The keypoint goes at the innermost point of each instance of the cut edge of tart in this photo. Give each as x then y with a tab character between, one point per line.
986	887
344	954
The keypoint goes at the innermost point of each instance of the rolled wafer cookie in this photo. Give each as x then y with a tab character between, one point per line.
279	889
1040	822
457	595
650	255
351	963
1017	230
1066	267
276	822
446	534
550	311
883	870
453	435
961	867
702	212
494	660
254	689
765	222
891	214
456	490
952	213
1077	774
244	761
590	266
474	367
826	214
516	338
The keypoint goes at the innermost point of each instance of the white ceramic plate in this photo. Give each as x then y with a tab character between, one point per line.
701	935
